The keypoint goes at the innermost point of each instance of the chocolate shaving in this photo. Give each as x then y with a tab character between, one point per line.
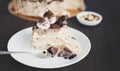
62	21
52	50
67	53
55	26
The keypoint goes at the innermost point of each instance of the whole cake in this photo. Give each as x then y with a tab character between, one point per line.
34	9
52	34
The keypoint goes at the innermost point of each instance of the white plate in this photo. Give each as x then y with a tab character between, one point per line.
21	42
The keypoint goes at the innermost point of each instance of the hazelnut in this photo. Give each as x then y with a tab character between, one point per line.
90	17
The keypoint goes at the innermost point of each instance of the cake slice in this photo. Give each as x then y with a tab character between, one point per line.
52	34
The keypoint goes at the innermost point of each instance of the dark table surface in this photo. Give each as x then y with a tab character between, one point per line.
105	38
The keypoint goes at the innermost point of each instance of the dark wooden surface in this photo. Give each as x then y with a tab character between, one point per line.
105	38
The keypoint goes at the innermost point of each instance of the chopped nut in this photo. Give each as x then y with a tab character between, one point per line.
90	17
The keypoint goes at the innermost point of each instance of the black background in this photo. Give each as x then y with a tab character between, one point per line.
105	38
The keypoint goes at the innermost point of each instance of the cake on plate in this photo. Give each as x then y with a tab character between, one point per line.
34	9
52	34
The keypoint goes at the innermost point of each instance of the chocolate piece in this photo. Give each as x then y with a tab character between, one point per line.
55	26
72	56
67	53
62	21
67	50
48	14
52	50
59	23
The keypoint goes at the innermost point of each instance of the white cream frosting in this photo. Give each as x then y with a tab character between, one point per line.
52	20
44	25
